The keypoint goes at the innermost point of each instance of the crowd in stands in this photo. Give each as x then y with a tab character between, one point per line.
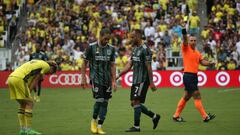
221	37
64	28
8	19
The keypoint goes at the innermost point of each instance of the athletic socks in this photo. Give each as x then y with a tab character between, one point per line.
199	106
145	110
21	119
180	107
28	118
96	109
102	112
137	115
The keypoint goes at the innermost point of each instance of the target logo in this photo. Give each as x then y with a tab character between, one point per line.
222	78
239	78
202	78
176	78
128	78
157	79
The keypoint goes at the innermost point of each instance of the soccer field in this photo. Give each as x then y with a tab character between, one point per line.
68	112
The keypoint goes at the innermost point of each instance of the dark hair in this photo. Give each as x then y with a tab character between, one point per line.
105	31
53	64
122	49
192	35
140	33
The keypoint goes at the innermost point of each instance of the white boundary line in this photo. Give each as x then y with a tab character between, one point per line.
227	90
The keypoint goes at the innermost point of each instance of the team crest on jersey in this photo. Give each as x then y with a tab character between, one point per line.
138	53
97	50
109	52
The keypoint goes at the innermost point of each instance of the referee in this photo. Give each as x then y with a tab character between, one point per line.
191	60
38	55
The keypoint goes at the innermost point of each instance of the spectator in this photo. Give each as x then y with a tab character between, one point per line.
231	65
121	60
217	35
155	63
205	33
194	22
166	39
149	30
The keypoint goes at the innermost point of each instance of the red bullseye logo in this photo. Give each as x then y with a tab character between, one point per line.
157	79
222	78
129	78
202	78
239	78
176	78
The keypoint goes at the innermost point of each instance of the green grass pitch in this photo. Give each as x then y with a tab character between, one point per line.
68	112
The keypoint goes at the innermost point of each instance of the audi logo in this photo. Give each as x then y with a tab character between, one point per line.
66	79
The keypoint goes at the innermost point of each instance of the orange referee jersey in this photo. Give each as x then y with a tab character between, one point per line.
191	59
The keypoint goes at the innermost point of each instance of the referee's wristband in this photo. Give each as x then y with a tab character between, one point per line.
184	31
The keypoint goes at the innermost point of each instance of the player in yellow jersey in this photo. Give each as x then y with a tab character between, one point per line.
21	82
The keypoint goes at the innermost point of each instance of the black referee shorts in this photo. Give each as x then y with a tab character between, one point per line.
139	91
190	81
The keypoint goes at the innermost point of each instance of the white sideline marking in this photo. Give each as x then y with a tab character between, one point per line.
227	90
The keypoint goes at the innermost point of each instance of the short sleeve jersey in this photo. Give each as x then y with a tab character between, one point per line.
140	56
100	59
191	59
31	69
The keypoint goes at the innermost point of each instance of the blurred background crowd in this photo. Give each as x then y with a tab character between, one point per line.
62	29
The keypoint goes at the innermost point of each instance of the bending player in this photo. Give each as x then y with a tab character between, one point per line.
21	82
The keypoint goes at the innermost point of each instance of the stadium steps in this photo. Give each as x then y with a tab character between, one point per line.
202	13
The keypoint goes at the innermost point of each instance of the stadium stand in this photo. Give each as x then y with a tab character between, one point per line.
64	29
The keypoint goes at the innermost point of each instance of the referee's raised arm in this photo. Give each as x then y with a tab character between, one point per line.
185	38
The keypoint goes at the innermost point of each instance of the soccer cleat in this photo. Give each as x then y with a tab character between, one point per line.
133	129
156	120
37	99
209	117
178	119
22	132
100	131
94	126
33	132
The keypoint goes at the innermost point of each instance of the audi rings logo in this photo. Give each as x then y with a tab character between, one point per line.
222	78
202	78
157	79
66	79
176	78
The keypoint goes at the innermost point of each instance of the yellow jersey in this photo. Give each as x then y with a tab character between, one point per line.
176	45
139	15
30	69
121	62
231	66
163	27
205	34
65	67
194	20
